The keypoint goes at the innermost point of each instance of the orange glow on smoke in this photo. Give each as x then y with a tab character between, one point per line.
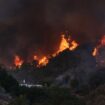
35	57
42	61
103	41
65	43
18	61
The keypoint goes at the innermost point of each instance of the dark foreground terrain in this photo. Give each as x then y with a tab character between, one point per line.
12	94
71	78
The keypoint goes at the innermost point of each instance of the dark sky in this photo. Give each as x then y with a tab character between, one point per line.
34	26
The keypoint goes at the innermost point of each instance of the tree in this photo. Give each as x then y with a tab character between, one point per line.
8	82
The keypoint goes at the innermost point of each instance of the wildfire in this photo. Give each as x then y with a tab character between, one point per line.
65	43
102	43
42	61
99	53
18	61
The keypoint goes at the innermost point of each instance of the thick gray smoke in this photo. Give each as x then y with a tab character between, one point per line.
30	27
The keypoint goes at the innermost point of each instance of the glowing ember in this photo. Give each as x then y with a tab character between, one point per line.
18	61
94	52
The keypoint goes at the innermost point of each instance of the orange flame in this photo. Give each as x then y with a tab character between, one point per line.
64	44
42	61
94	52
18	61
73	46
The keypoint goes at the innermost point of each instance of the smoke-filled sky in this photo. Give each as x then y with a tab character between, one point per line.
30	27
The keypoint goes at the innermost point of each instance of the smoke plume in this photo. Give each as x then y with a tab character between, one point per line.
30	27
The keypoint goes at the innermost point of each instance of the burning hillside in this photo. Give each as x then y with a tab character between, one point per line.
55	49
33	33
65	43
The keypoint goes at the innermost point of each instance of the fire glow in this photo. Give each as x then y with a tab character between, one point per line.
18	61
65	43
41	62
102	43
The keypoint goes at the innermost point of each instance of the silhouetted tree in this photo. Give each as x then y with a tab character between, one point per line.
8	82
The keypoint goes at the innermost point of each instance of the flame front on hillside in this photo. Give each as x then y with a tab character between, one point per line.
99	52
65	43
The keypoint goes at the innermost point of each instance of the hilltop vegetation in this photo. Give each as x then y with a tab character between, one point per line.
69	79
